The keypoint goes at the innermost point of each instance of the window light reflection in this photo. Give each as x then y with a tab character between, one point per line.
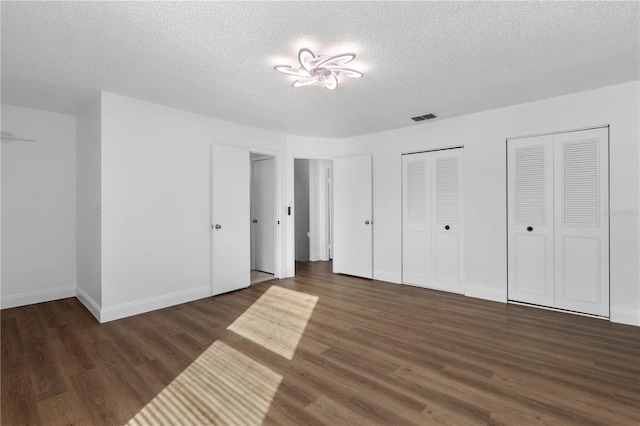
276	320
222	386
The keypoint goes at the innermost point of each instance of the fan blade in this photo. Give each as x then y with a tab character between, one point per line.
347	72
286	69
337	60
304	82
305	56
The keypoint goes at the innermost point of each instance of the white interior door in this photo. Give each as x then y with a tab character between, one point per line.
416	219
581	221
447	225
558	225
263	222
432	226
530	220
230	207
353	216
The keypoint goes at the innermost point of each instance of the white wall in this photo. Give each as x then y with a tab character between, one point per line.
150	167
38	207
88	193
156	201
483	136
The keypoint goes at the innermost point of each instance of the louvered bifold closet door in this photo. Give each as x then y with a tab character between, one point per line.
530	220
581	221
432	222
416	221
446	227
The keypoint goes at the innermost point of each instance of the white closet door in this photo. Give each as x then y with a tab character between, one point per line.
353	216
432	225
581	221
230	214
530	220
264	217
446	226
416	220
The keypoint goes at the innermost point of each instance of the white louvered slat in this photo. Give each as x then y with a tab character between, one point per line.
580	183
530	185
447	182
416	196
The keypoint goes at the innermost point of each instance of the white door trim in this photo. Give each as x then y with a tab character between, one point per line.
289	260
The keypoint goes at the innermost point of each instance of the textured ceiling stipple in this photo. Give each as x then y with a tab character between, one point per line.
217	58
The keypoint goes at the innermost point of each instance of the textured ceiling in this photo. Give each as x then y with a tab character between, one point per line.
217	58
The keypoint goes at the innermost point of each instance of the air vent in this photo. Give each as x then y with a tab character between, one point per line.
423	117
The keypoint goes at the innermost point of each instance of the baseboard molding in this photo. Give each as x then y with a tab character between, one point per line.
315	257
623	316
480	292
390	277
152	304
37	297
88	303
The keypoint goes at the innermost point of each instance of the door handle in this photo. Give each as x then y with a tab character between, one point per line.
529	228
218	226
366	222
447	227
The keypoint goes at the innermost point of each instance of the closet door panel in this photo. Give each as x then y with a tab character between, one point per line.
416	221
582	225
530	220
580	270
530	272
447	260
446	189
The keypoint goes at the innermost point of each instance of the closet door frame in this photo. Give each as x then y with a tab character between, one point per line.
603	207
430	227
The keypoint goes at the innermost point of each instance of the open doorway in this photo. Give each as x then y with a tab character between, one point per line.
313	200
263	217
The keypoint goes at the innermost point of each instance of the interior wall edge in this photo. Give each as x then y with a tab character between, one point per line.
92	306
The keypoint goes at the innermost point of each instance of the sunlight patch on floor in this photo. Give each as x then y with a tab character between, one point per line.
276	320
222	386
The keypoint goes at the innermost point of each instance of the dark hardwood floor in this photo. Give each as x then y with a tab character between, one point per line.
371	353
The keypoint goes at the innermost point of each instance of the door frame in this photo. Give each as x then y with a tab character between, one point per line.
277	244
608	208
262	157
290	257
462	277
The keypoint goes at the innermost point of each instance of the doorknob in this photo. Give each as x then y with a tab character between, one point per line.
366	222
447	227
529	228
218	226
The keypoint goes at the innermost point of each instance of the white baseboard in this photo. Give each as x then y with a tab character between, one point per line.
391	277
37	297
623	316
480	292
88	303
152	304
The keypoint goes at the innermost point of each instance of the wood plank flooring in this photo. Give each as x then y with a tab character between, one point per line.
371	353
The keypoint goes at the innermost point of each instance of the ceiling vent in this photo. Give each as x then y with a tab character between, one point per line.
423	117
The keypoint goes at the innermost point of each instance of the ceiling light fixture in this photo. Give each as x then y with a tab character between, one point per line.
320	70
